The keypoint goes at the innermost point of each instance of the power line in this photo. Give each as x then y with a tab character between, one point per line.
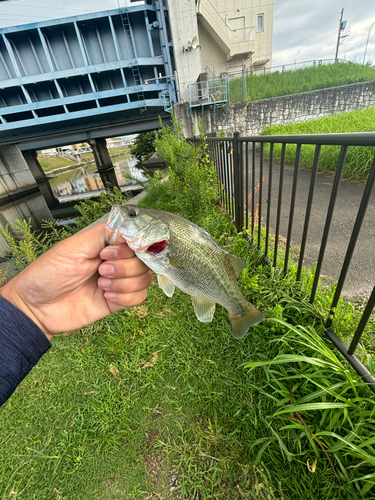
325	24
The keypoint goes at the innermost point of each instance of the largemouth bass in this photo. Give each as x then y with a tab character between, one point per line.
185	256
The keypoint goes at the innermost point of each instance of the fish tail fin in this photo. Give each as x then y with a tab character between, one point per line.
241	324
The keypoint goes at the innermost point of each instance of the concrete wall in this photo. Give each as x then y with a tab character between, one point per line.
190	125
263	39
213	58
252	117
244	40
184	29
20	197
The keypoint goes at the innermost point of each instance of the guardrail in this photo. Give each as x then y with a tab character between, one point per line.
241	170
208	93
85	149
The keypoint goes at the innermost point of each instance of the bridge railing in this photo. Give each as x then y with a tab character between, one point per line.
253	189
208	92
85	149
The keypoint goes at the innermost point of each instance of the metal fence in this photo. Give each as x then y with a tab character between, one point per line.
208	93
234	68
242	168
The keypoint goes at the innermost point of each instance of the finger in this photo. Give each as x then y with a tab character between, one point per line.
117	252
126	285
87	243
124	300
123	268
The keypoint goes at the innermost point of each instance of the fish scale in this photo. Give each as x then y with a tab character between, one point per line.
187	258
203	279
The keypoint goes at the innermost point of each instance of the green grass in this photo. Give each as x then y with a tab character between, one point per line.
52	162
120	408
358	160
116	409
300	80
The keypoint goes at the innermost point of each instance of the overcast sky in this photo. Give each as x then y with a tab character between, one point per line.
303	29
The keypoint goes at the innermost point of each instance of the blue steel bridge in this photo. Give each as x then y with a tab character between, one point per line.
94	75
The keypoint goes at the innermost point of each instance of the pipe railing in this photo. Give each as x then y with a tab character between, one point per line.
241	167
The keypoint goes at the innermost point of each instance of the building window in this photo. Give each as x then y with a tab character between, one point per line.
260	22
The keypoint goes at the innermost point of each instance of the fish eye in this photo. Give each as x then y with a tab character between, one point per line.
131	212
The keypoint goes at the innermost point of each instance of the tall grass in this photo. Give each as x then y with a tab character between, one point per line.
321	402
192	177
359	158
299	80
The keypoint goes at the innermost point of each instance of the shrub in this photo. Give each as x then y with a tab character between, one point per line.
144	145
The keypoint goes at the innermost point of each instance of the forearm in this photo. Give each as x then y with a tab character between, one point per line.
22	344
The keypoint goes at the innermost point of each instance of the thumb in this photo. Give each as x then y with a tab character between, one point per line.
87	243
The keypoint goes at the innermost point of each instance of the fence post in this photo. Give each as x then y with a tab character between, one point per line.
244	93
237	178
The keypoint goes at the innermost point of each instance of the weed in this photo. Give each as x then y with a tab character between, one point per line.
358	159
192	177
300	80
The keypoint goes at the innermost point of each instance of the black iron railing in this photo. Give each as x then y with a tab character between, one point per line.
241	169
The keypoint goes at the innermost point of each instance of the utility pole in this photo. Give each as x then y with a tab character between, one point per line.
338	36
368	38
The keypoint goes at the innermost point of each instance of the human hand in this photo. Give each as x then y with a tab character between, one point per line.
70	286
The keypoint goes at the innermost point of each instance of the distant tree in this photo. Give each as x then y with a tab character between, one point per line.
144	145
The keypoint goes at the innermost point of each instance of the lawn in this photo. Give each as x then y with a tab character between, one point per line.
149	403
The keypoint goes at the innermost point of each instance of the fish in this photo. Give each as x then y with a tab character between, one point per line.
185	256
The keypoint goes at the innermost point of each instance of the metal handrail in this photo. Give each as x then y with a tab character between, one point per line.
344	139
233	164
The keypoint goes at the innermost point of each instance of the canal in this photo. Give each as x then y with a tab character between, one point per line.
69	188
85	181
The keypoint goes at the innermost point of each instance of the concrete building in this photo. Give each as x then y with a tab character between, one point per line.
218	36
234	30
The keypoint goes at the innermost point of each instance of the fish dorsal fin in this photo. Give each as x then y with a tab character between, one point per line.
241	324
204	310
166	285
237	263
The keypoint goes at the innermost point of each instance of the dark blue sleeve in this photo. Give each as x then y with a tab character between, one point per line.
22	344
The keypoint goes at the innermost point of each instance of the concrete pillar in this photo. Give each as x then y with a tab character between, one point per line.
31	158
190	125
103	162
20	196
186	48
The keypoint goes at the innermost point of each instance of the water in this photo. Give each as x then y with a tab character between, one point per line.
85	181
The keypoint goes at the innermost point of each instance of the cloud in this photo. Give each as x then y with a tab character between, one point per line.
308	30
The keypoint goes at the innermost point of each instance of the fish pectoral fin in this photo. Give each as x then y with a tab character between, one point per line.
237	263
166	285
204	309
241	324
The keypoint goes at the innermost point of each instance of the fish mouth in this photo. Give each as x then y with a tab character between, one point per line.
157	247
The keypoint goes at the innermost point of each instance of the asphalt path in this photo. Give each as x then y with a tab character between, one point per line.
360	279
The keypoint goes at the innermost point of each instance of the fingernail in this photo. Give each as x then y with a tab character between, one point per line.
104	282
106	269
108	253
110	295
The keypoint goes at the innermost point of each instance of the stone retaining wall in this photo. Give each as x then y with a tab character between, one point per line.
250	118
